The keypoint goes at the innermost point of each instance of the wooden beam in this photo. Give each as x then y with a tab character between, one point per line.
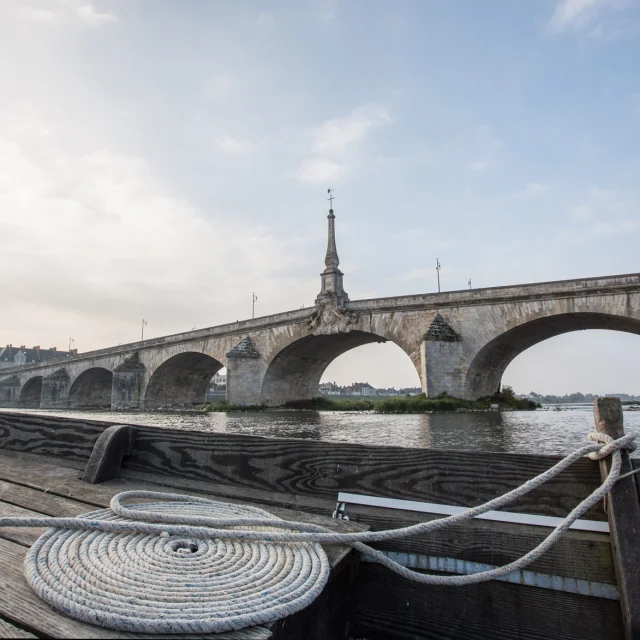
623	510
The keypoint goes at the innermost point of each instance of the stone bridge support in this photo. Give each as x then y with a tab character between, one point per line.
441	357
245	371
126	391
55	390
10	391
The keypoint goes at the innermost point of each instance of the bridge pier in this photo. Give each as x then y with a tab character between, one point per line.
443	363
245	372
9	392
55	390
126	389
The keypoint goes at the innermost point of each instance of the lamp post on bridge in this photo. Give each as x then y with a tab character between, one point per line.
254	297
144	322
438	267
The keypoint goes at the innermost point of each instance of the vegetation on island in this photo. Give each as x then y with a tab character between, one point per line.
322	403
505	399
223	406
582	398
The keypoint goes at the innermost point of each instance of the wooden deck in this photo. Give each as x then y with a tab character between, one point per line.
43	457
32	485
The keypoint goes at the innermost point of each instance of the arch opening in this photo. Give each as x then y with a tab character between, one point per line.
295	372
91	389
487	368
31	393
181	382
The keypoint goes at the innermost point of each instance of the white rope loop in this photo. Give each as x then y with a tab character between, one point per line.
193	565
174	584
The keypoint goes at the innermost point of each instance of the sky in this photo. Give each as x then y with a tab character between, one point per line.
163	160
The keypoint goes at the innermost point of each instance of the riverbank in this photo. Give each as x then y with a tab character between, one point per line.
398	405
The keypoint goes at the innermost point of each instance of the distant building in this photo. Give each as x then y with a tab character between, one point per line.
331	389
217	389
410	391
219	380
361	389
11	356
391	391
365	389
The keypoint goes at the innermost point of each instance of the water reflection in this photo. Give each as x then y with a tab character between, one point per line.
550	432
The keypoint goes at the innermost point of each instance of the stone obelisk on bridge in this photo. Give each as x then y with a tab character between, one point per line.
332	288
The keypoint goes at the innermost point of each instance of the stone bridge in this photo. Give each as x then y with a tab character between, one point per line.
460	342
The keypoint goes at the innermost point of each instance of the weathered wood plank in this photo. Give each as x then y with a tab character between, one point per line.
390	607
45	503
321	469
314	469
63	438
9	631
20	535
624	519
579	554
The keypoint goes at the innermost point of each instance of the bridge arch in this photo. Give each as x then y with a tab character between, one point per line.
490	362
181	381
91	389
295	371
31	393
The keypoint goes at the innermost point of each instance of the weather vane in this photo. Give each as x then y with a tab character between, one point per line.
330	198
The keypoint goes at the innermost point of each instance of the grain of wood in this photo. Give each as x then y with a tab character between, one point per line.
9	631
389	607
314	469
321	469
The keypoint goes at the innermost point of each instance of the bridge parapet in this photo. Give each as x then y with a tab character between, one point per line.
494	295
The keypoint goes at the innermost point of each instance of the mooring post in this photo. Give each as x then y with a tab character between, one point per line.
112	445
623	510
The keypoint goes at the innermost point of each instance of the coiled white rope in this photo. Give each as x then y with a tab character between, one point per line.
192	565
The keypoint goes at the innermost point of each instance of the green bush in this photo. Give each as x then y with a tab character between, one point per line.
422	404
323	403
217	407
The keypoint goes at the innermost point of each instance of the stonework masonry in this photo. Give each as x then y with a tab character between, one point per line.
460	343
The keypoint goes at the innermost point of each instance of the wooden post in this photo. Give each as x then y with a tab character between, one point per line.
623	510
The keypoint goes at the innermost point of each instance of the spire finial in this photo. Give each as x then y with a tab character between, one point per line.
331	198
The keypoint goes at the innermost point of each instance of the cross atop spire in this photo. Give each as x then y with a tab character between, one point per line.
332	276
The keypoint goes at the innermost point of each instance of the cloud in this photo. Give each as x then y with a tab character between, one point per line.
578	14
604	213
321	171
60	12
336	136
233	146
336	143
531	190
93	240
87	13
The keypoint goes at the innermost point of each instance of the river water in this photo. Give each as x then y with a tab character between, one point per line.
546	431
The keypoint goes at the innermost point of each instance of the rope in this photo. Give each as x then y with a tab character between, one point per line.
193	565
